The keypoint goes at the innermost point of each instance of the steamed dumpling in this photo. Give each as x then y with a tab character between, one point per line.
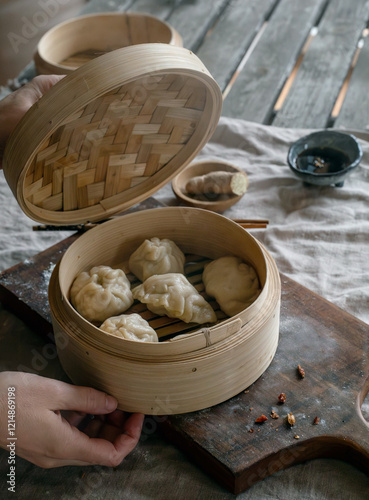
101	293
156	256
130	327
233	283
173	295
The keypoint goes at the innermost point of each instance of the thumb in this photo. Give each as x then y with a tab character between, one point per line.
42	83
84	399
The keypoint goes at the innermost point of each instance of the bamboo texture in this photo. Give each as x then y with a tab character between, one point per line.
111	133
73	43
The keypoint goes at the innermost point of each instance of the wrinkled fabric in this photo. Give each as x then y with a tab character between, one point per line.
18	241
318	236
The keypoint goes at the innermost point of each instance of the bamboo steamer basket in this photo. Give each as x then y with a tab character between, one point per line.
199	366
103	139
72	43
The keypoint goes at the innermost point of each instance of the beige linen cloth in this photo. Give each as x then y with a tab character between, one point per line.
318	236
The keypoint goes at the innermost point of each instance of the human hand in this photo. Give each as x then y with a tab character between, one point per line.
47	416
15	105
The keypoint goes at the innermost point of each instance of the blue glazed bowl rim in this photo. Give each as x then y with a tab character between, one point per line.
292	158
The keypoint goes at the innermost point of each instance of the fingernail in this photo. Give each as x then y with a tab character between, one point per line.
110	403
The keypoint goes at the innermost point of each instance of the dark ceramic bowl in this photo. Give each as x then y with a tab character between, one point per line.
324	158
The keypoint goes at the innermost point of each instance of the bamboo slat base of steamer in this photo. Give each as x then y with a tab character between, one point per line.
330	345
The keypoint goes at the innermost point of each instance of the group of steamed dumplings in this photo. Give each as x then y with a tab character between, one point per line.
102	294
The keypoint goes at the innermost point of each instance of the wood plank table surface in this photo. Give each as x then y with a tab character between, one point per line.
288	63
279	62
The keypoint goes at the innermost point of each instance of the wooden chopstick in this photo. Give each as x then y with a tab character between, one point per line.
252	223
245	223
253	226
75	227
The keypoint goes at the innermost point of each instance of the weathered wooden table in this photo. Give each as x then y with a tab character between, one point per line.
288	63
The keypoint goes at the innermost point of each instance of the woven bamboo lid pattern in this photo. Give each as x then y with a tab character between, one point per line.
110	134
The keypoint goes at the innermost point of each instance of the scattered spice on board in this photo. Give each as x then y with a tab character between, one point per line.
301	371
261	419
291	419
274	414
251	430
296	436
282	398
316	420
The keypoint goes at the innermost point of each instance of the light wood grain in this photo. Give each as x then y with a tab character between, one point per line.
72	43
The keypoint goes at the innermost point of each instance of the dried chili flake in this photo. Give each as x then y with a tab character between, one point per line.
282	398
316	420
301	371
251	430
291	419
261	419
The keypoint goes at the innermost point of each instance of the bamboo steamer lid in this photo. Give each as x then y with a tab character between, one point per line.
111	133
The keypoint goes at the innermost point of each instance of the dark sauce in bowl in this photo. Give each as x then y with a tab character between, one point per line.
322	160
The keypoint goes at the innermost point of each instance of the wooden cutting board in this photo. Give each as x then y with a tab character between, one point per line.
333	349
330	345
